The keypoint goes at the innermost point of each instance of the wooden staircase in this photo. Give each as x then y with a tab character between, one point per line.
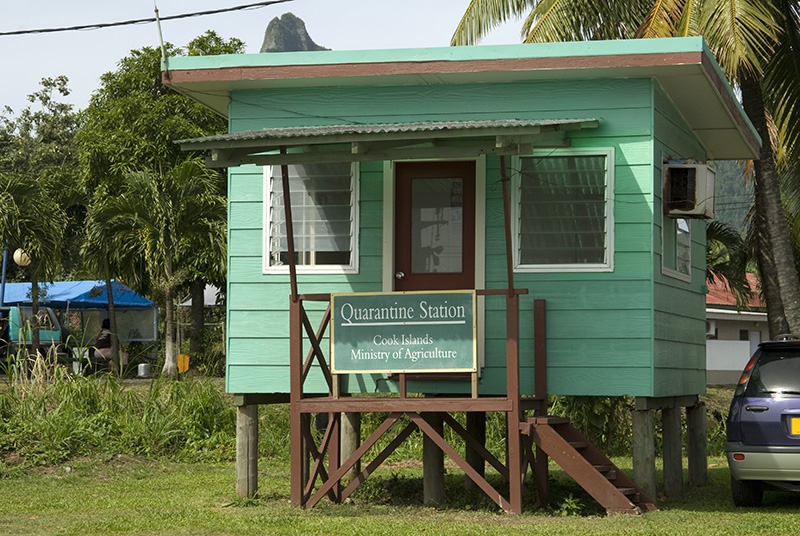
590	468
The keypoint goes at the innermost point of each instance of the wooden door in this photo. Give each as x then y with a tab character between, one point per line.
434	225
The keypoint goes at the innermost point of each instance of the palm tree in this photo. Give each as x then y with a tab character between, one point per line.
157	221
37	164
726	259
34	221
755	42
101	259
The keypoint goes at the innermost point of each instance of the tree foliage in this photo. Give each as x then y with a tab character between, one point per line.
126	150
39	169
161	218
755	43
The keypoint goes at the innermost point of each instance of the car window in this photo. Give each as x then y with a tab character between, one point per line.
776	373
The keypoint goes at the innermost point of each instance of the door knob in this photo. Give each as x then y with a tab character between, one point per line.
399	275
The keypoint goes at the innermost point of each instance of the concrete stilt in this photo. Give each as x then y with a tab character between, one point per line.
350	441
697	443
476	427
644	451
671	448
247	450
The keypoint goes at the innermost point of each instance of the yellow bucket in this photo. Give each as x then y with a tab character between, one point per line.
183	363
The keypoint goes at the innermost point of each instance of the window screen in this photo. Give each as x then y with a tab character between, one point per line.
563	210
323	215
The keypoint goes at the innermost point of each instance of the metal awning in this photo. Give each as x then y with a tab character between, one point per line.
375	142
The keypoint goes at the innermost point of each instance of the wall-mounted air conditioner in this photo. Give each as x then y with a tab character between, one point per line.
689	190
711	328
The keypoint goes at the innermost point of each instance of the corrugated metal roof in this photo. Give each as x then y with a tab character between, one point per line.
392	128
719	295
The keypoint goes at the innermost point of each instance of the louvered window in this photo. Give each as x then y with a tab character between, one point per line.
564	217
323	214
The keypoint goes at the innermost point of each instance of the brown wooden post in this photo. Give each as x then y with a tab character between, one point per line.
671	447
540	351
541	463
298	449
507	220
295	395
513	417
334	449
287	212
515	451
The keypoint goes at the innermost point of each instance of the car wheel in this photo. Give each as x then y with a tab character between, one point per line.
746	492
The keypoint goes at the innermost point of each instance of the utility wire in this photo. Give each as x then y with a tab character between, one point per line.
145	21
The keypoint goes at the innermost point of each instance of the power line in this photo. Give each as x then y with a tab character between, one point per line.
145	21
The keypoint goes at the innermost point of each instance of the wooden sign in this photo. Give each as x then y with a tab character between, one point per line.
388	332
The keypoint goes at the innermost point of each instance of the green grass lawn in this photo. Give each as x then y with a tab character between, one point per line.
60	473
127	495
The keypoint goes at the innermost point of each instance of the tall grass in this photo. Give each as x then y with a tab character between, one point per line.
48	415
51	416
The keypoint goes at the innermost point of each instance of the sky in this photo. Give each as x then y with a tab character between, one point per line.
84	55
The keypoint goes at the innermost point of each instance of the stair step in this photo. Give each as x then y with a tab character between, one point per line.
561	440
607	471
549	420
631	493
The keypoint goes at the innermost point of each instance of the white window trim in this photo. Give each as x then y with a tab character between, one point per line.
352	268
608	264
671	272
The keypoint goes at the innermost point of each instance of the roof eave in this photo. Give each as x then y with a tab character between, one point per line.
689	76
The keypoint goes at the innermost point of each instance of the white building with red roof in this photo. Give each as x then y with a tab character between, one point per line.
732	332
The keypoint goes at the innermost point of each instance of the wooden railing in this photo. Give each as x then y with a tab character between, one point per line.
302	442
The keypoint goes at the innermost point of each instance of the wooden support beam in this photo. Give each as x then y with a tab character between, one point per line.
432	463
350	441
370	404
697	443
540	350
644	451
671	450
476	446
492	493
247	450
379	459
476	430
295	415
335	476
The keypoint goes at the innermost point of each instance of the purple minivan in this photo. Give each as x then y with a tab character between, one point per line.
763	425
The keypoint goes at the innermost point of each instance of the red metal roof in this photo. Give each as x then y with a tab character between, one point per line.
719	295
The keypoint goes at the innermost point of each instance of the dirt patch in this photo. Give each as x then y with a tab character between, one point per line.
119	460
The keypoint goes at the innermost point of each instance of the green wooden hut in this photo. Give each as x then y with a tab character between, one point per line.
396	162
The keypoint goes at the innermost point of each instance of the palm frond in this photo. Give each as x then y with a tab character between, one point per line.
726	259
782	83
481	16
582	20
662	19
740	33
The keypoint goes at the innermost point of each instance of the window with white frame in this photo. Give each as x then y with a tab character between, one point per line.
564	203
676	245
324	218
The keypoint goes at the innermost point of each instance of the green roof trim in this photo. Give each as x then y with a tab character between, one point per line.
465	53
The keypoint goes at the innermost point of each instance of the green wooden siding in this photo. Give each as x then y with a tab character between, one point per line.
679	352
608	333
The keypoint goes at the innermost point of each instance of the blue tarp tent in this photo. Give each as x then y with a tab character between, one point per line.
76	295
83	305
